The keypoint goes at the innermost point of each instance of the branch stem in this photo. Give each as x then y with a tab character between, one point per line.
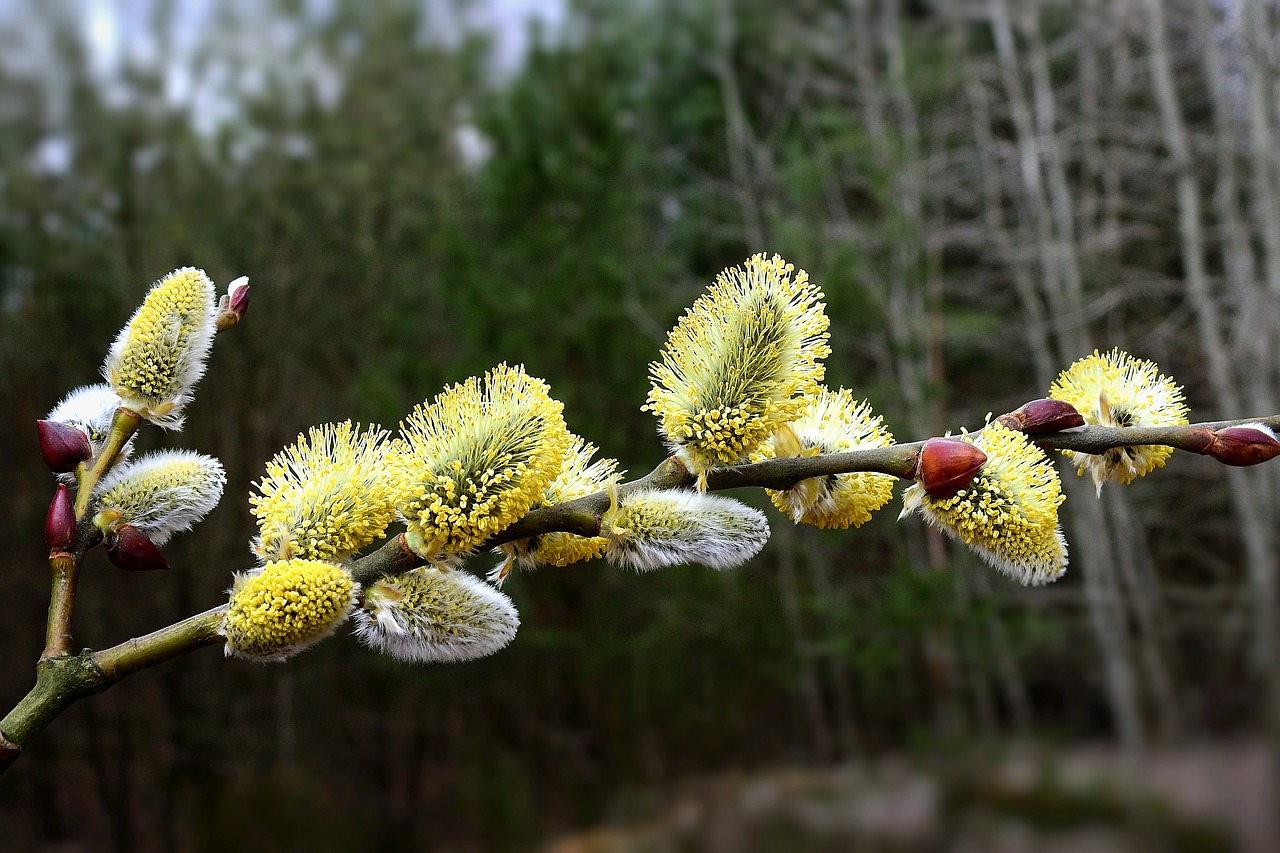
62	680
168	643
62	601
582	515
65	566
123	426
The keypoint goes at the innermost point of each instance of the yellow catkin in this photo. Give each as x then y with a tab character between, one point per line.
428	615
285	608
1117	390
1008	514
162	493
653	528
739	363
578	477
831	423
160	354
477	458
329	494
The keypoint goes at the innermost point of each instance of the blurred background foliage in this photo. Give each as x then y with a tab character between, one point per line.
985	191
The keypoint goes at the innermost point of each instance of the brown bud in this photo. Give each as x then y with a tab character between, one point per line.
62	446
60	523
1041	416
130	549
1012	420
1049	415
1251	444
948	465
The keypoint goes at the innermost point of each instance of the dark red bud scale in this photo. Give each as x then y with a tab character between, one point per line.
240	300
1243	445
948	465
60	523
1050	416
62	446
233	305
1040	416
130	549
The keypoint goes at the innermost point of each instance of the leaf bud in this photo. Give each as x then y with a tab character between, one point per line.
233	304
948	465
60	523
63	446
1248	444
1045	415
130	549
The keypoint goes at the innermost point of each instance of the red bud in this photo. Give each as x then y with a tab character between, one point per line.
234	304
62	446
947	465
130	549
1244	445
60	523
1041	416
240	297
1050	416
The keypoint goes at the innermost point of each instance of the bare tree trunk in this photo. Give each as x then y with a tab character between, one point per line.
973	659
1009	675
1064	318
1256	326
845	722
1127	540
740	143
808	681
751	172
1267	212
1052	212
1152	623
1260	139
1103	214
1008	257
911	292
1106	614
1253	331
905	311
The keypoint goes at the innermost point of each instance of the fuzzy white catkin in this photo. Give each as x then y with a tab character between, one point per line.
431	615
163	493
654	528
90	409
160	354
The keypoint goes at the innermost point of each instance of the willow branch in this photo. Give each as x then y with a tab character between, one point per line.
123	426
582	515
1192	438
168	643
63	679
60	681
64	566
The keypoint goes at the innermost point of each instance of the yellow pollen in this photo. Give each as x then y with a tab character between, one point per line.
831	423
740	362
286	607
160	354
478	458
1118	390
1009	512
329	494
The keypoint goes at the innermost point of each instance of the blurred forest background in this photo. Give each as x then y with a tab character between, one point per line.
985	189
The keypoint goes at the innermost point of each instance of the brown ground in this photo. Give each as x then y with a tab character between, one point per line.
1210	797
